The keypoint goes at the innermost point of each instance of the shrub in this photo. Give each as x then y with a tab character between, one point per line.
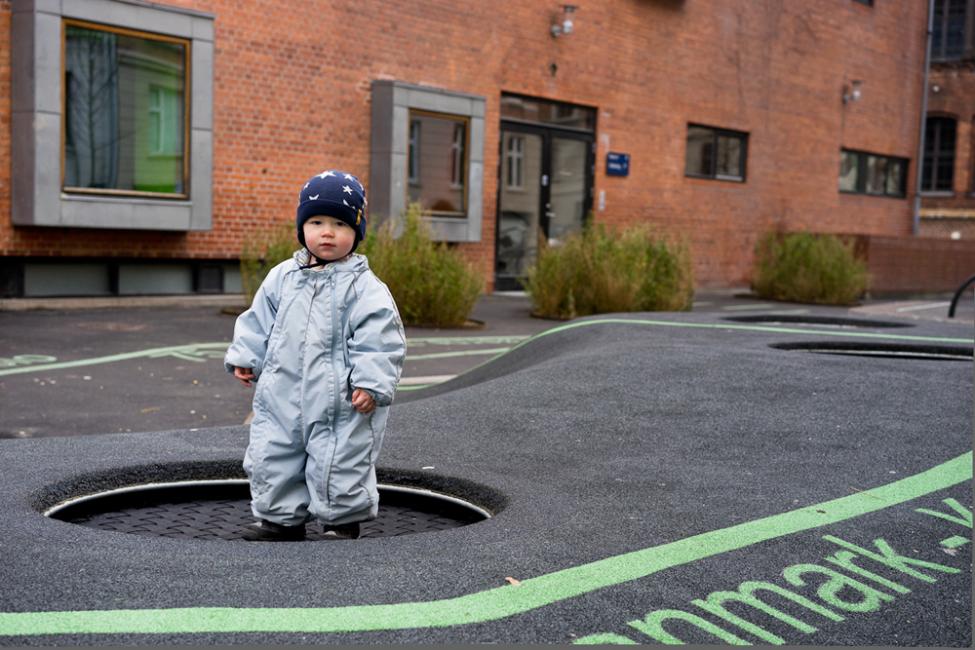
262	253
431	283
808	267
599	271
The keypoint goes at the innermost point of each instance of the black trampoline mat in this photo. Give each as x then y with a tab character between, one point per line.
221	511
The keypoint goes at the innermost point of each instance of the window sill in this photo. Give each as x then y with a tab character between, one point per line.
937	195
726	179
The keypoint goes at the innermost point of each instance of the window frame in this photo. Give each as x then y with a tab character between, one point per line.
415	113
514	164
861	175
390	106
937	155
716	133
941	55
37	107
187	63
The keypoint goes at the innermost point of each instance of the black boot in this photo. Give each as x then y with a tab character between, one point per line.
343	531
268	531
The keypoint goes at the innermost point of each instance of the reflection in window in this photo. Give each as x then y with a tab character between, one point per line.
514	158
715	153
438	163
457	156
414	158
125	111
867	173
938	169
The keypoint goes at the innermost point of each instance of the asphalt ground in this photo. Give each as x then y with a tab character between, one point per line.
639	466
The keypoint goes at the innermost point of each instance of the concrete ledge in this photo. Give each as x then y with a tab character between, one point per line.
218	300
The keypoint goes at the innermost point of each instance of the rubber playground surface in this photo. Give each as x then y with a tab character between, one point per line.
653	478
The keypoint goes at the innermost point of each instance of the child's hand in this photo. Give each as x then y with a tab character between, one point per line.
362	401
245	375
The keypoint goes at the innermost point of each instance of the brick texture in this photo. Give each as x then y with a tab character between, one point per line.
292	93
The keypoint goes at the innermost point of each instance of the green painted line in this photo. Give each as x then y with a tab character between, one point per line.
748	328
954	541
497	603
202	351
191	351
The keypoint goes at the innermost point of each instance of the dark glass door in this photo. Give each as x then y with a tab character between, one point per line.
544	194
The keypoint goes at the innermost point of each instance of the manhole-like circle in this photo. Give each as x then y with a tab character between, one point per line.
884	350
220	510
823	321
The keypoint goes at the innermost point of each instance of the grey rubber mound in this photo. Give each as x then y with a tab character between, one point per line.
596	441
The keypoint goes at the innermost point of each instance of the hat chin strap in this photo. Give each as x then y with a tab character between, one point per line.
312	256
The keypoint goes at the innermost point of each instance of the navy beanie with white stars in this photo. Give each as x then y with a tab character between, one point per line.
333	194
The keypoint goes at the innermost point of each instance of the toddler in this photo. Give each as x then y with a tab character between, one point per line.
324	342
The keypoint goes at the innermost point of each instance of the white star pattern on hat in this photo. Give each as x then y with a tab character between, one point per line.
312	198
306	185
346	203
349	177
326	174
347	189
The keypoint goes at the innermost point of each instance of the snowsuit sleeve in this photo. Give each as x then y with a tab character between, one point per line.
377	347
253	327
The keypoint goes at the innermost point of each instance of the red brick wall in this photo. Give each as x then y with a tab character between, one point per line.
903	265
292	97
952	94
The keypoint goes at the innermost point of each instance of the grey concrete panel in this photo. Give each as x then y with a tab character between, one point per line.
201	183
47	63
77	279
379	183
203	30
381	107
476	153
439	103
46	6
475	200
398	170
448	229
22	166
232	282
154	279
401	130
143	17
201	85
21	62
46	128
100	212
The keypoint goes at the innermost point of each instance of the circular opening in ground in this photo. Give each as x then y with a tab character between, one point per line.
219	509
823	321
908	351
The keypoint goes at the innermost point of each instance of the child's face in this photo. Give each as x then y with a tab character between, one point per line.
328	238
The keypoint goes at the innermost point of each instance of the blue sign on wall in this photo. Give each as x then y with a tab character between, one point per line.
617	164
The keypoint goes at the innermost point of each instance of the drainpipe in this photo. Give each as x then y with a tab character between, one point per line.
916	223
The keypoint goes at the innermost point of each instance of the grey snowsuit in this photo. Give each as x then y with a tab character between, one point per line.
311	337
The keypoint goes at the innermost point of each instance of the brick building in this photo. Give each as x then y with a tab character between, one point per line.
948	180
143	143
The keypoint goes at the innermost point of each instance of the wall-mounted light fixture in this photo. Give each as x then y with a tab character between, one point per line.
851	91
563	27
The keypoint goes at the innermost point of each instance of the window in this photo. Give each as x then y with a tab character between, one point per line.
948	37
432	141
125	111
715	153
938	167
867	173
437	158
108	138
514	161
